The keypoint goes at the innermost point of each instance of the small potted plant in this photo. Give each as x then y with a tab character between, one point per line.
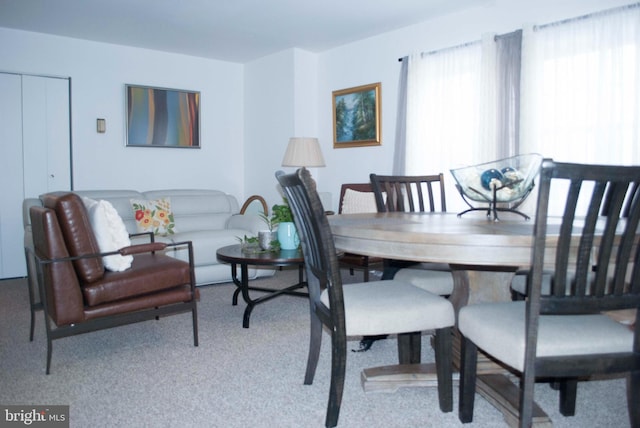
281	213
249	244
287	234
268	239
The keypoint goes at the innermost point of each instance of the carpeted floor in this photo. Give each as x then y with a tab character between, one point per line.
150	374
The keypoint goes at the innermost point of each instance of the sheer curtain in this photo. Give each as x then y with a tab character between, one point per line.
399	153
507	72
581	89
461	107
442	112
568	90
443	96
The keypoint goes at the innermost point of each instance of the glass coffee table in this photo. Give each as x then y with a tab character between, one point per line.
234	255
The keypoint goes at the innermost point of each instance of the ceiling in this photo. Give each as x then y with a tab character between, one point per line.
228	30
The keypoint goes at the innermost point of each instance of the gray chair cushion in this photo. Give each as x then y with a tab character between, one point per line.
434	281
498	329
368	312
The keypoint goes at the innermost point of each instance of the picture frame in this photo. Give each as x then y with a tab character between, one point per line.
162	117
356	116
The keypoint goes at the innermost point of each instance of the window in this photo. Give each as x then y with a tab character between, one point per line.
581	89
573	95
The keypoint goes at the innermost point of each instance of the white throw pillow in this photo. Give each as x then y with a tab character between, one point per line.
358	202
110	232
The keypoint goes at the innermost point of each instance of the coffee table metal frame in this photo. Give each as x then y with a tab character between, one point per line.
234	255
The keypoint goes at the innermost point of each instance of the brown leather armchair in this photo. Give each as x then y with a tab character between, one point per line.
78	295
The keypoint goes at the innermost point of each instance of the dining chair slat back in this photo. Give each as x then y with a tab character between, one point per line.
359	309
356	198
563	325
418	193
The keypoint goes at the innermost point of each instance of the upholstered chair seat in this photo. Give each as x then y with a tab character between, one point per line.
361	309
433	280
406	314
583	279
497	329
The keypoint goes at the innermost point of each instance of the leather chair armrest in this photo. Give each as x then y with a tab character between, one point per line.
151	247
142	248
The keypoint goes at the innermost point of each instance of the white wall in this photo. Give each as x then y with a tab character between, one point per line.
269	112
250	111
280	102
98	74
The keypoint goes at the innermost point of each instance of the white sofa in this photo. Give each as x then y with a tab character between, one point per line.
208	218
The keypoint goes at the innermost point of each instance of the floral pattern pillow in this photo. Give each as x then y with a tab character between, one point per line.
154	216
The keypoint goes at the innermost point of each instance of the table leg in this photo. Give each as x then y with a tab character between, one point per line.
234	277
243	288
471	285
244	269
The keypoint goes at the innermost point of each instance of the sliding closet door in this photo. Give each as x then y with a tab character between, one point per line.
11	253
45	136
34	154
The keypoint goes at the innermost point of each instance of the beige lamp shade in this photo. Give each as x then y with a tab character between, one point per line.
303	151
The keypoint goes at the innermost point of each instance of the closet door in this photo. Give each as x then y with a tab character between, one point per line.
34	154
11	235
45	135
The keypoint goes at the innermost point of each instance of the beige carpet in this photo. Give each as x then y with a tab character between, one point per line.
151	375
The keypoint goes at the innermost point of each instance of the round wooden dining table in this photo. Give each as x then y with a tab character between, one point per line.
483	254
473	239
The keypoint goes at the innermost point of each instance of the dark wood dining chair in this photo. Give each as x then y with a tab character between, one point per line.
519	282
418	193
358	198
404	193
561	332
366	308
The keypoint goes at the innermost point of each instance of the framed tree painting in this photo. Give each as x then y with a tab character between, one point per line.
356	116
158	117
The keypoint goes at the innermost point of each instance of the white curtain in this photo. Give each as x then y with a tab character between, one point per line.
581	89
443	114
581	92
399	153
461	109
569	91
443	96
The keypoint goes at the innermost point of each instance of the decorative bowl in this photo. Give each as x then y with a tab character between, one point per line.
505	181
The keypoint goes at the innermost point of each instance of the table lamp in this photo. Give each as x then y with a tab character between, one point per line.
303	151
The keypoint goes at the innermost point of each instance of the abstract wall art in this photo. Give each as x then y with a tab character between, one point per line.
158	117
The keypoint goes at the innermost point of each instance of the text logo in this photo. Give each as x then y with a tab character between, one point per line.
34	416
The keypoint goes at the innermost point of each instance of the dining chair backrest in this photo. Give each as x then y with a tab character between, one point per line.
316	240
356	197
578	286
594	265
372	308
418	193
631	192
610	241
